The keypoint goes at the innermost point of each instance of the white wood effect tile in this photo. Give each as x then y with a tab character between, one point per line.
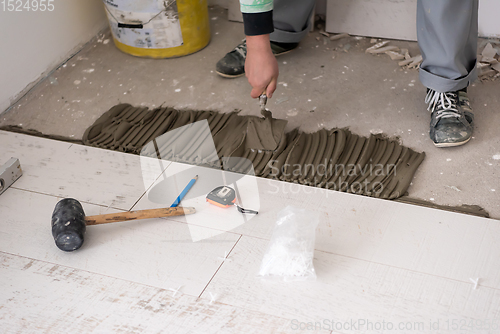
436	242
67	170
427	240
43	297
351	289
409	258
153	252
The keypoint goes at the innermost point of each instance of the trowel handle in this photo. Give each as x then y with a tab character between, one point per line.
263	101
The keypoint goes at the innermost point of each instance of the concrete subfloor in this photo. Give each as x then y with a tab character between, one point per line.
320	85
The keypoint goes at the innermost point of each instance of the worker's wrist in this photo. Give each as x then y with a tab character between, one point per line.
260	43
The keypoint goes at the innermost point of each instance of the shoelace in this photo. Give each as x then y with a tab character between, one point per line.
445	104
242	49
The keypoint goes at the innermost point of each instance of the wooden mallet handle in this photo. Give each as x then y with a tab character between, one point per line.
135	215
69	221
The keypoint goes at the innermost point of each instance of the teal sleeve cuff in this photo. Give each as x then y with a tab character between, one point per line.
256	6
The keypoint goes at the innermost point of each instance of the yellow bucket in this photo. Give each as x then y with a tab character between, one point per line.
159	28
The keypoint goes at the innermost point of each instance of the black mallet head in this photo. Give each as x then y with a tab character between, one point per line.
68	224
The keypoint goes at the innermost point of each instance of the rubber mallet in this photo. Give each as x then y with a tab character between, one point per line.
69	221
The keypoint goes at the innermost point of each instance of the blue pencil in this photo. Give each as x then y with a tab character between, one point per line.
184	192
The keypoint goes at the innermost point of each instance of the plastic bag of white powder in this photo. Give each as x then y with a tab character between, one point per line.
289	256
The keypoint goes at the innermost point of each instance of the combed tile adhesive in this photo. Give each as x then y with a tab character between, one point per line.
333	159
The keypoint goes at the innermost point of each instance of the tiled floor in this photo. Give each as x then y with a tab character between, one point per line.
378	262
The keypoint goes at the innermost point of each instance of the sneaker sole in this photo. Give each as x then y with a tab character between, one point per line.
229	75
452	144
242	74
284	52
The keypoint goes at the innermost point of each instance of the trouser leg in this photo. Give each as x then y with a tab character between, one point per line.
447	36
291	20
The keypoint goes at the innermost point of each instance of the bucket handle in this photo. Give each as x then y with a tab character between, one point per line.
130	26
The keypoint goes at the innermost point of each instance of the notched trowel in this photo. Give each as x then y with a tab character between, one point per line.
264	134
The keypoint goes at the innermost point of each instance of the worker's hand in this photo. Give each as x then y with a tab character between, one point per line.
261	67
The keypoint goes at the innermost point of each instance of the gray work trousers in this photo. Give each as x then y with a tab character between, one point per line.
446	29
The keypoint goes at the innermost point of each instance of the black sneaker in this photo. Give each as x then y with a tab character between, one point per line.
232	65
451	118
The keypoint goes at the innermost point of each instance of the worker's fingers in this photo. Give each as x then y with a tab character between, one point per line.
271	88
257	91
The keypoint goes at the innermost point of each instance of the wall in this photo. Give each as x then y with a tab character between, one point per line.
34	43
489	20
395	18
221	3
